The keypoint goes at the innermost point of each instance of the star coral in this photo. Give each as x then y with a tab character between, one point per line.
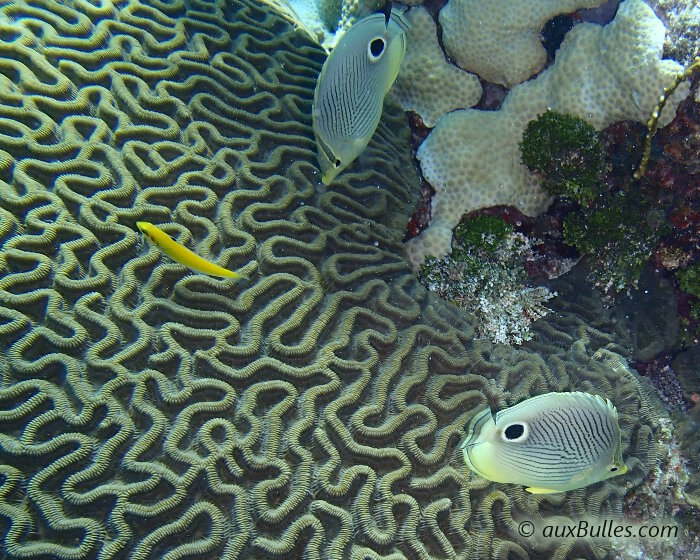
441	86
500	40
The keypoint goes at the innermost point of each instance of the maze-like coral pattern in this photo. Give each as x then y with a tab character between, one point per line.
315	410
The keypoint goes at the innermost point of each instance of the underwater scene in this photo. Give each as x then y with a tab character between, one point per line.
349	279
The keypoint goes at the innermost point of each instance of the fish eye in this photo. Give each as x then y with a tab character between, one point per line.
337	163
375	48
613	469
515	432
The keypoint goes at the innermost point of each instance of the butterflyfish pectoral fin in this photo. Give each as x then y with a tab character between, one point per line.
534	490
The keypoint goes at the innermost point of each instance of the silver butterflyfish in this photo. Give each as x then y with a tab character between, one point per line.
549	443
350	90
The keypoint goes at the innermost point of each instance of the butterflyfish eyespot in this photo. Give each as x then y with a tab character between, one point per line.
375	48
515	432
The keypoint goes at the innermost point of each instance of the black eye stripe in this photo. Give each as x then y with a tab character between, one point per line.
325	148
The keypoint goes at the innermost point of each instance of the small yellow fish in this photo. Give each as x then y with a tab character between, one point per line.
550	443
181	254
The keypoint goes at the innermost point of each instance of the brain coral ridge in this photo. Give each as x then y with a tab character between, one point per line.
314	411
600	74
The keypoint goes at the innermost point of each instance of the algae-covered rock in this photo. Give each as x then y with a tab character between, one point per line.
568	153
685	365
485	274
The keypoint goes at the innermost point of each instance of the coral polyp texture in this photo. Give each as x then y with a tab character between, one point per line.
500	40
314	411
427	83
600	74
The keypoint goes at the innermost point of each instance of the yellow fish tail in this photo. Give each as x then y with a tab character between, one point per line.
181	254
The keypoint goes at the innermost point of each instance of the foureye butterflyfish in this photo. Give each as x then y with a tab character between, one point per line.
549	443
350	90
181	254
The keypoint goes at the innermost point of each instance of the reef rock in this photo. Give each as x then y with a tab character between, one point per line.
601	74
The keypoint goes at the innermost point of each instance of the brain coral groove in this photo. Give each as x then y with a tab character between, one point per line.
314	411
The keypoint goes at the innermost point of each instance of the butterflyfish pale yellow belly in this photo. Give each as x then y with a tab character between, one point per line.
350	90
181	254
549	443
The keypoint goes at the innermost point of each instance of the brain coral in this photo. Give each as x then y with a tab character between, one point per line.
146	412
500	40
600	74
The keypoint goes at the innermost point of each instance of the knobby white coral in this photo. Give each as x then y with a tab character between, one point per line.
601	74
500	39
427	83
